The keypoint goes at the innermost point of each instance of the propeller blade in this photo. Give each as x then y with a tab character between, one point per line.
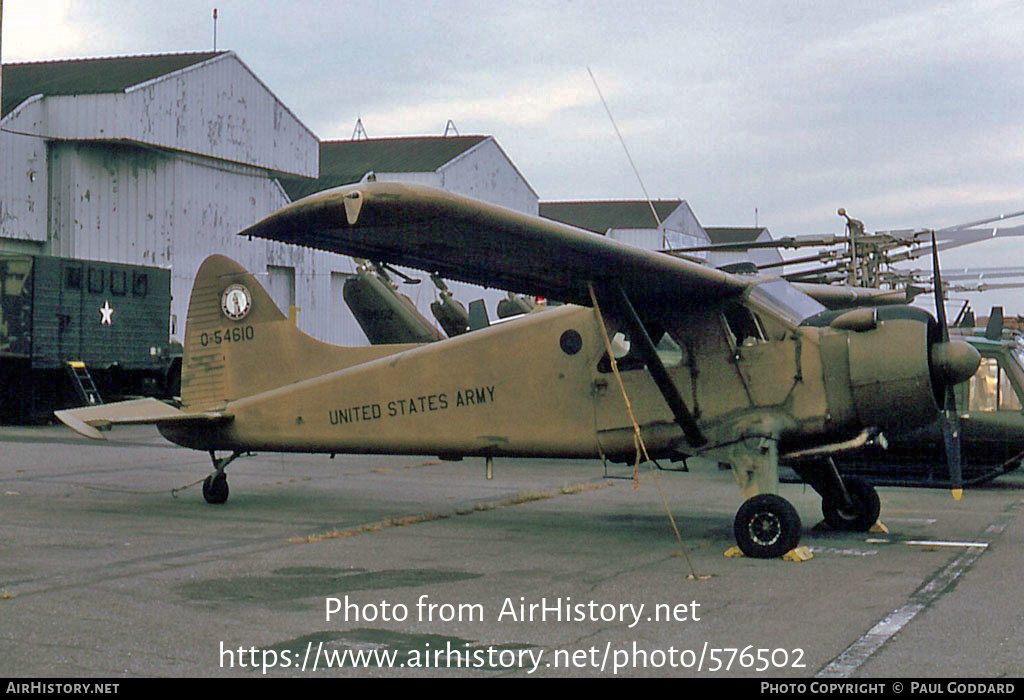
950	419
951	438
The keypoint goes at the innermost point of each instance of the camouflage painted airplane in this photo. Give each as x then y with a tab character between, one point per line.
740	369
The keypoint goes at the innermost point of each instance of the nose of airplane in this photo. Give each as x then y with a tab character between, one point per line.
954	361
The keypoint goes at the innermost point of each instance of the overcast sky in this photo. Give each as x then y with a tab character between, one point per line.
908	114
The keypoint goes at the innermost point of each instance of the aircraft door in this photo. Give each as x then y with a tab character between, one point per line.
767	361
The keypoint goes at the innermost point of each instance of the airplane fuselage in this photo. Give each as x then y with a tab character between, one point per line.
537	387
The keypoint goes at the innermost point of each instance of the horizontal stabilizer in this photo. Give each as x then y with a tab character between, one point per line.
89	421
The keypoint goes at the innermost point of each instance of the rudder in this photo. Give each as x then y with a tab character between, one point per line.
230	317
238	343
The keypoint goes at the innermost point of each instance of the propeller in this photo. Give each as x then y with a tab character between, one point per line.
950	417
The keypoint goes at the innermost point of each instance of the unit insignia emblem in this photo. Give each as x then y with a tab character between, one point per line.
236	302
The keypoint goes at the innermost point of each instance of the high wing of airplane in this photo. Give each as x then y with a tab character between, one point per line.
741	369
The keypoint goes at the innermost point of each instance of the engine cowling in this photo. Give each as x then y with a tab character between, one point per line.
897	359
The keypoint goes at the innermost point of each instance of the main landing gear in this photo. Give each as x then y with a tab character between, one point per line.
766	526
849	503
215	488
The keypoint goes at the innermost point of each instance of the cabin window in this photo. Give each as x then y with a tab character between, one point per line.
118	282
991	390
627	356
745	328
96	280
140	284
72	278
782	300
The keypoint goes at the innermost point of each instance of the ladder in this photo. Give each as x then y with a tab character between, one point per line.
82	381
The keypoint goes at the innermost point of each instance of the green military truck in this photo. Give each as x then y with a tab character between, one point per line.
76	332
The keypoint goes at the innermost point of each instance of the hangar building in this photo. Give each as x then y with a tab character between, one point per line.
475	166
162	159
155	160
631	221
758	256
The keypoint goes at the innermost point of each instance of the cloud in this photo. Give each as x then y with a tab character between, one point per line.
523	105
47	30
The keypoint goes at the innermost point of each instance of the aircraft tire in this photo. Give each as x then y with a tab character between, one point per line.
215	488
866	507
767	526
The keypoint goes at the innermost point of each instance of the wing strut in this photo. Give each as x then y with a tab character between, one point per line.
649	354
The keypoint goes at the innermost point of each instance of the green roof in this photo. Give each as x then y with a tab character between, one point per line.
345	162
734	234
601	216
89	76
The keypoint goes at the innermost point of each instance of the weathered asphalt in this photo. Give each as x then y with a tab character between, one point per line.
103	572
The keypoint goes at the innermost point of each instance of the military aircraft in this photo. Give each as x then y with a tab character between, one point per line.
990	403
386	315
869	260
741	369
991	415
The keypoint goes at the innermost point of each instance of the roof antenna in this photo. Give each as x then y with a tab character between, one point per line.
450	126
215	29
359	133
664	241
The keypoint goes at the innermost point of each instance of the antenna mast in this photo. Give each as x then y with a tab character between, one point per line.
215	29
359	133
629	157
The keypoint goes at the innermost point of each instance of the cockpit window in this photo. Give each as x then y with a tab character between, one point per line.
991	389
744	325
781	299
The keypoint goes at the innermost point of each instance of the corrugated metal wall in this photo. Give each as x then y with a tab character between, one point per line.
217	109
167	173
23	185
131	204
485	172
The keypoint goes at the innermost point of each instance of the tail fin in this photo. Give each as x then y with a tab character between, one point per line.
238	343
994	328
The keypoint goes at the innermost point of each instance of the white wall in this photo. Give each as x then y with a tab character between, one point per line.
23	176
217	109
486	172
169	172
134	205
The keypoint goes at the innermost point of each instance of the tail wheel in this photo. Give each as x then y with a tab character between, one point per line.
767	526
215	488
860	514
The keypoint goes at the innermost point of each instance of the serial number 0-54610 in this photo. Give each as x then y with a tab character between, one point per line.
238	334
